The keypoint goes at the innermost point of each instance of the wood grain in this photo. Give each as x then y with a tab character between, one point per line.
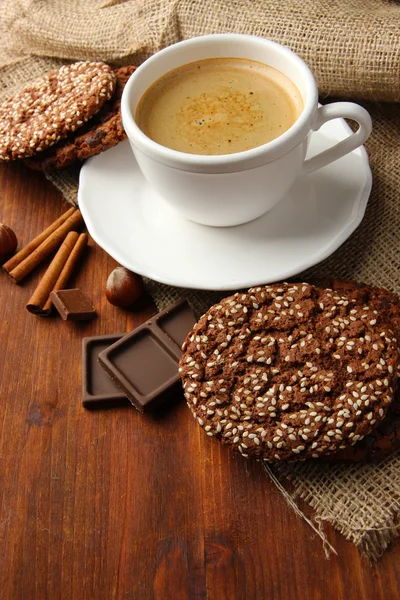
114	504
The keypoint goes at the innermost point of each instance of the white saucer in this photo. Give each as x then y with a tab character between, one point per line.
140	231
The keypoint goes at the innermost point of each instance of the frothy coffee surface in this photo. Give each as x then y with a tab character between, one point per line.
219	106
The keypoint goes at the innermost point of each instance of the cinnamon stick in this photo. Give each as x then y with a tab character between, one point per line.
68	269
29	248
46	284
45	248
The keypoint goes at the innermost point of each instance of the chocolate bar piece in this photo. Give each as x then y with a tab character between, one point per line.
73	305
98	389
144	363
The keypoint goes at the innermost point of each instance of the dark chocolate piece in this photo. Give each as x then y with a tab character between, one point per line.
73	305
176	322
144	363
98	389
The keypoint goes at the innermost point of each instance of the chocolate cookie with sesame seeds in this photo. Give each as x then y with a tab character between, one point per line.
53	106
103	131
387	303
385	438
289	371
381	442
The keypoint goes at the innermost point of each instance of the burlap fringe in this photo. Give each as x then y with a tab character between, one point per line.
290	499
371	541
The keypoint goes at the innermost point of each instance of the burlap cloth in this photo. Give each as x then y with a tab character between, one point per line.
353	48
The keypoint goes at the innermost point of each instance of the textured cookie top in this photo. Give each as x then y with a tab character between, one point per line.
385	438
53	106
103	131
289	371
385	302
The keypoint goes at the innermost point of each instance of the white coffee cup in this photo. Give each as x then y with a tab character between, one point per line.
230	189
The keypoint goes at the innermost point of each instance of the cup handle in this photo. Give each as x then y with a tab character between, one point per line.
338	110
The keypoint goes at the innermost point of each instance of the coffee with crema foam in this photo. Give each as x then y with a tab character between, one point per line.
219	106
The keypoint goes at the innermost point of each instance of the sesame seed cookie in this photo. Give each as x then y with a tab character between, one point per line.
289	371
385	438
103	131
385	302
53	106
379	443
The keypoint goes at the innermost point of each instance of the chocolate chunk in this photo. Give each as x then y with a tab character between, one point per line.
94	138
98	389
176	322
144	363
73	305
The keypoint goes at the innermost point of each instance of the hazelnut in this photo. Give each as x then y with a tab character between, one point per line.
123	287
8	242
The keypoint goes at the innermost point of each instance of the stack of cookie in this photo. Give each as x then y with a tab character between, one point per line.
66	116
295	371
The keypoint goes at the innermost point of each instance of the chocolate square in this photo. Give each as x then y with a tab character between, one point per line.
144	363
73	305
98	389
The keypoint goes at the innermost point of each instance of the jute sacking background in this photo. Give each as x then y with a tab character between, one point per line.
353	48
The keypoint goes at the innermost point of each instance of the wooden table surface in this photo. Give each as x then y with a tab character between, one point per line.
113	504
